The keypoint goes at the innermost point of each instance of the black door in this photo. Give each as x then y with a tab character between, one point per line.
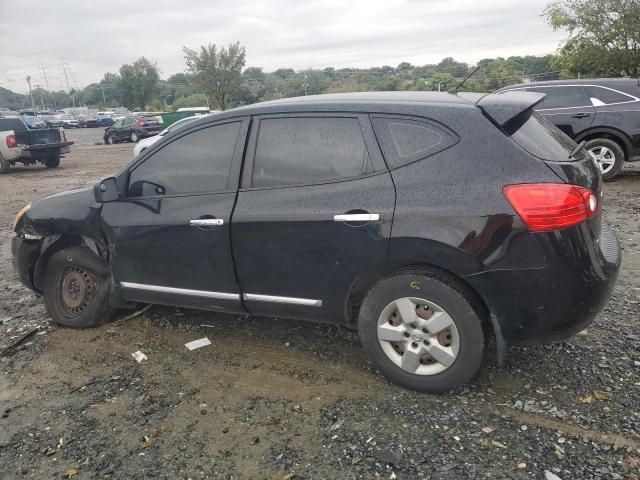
566	106
170	235
313	216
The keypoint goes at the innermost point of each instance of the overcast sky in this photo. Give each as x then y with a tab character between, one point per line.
94	37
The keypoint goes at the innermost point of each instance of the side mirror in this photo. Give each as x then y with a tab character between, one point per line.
106	190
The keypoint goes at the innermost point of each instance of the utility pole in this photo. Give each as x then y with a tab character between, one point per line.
39	87
104	100
30	92
66	76
305	84
44	74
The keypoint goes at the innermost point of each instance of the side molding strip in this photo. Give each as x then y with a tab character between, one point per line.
309	302
181	291
275	299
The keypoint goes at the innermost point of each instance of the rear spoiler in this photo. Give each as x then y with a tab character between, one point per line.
502	108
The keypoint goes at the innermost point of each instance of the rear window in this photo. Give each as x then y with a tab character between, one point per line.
544	140
14	124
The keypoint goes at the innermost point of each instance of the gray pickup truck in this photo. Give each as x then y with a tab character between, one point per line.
19	143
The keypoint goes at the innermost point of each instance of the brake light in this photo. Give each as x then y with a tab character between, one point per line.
64	135
551	206
140	122
11	141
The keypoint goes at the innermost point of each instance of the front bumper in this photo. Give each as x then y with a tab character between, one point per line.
25	255
543	305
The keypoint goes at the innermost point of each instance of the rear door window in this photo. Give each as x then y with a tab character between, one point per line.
562	97
405	140
309	150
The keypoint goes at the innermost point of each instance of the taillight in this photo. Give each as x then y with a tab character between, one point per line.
140	122
64	135
11	141
551	206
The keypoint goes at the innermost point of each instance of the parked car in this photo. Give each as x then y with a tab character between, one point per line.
286	209
18	143
88	121
68	121
106	121
52	121
34	122
142	145
132	128
603	112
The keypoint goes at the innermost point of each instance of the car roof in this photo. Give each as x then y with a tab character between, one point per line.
609	82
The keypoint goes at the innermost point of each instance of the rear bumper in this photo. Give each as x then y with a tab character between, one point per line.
552	303
25	255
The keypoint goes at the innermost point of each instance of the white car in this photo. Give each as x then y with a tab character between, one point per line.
145	143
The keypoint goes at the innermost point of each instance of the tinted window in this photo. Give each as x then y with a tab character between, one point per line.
14	124
604	95
562	97
544	140
197	162
406	140
305	150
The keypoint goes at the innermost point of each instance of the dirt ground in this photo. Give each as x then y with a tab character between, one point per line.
286	400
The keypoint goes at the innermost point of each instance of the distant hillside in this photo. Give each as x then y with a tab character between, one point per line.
9	99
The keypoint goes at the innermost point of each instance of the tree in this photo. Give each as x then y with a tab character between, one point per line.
138	83
217	73
604	35
193	100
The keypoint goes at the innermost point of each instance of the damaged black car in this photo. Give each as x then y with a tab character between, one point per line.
431	222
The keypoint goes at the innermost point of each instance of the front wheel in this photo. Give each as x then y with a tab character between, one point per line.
109	140
608	155
421	330
76	288
134	137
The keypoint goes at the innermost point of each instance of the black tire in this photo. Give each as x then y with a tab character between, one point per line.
615	148
52	162
4	165
441	290
133	136
76	288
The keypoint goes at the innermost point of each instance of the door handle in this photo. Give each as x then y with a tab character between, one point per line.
581	115
206	222
357	217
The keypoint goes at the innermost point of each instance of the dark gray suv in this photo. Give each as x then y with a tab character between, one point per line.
603	112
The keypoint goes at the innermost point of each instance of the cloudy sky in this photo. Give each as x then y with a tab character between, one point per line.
94	37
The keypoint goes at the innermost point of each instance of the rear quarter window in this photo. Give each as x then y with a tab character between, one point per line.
606	95
406	140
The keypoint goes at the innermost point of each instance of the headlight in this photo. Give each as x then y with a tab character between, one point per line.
21	214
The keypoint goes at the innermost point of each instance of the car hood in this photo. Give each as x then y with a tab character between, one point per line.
71	212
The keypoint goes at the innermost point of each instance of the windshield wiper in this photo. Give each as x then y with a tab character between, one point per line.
577	149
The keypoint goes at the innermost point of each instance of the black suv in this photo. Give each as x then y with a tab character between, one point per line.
429	221
132	128
603	112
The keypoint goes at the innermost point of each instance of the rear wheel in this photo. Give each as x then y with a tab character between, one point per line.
76	288
134	137
608	155
4	165
421	331
53	161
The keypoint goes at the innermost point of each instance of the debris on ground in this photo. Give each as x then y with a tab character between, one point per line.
139	356
201	342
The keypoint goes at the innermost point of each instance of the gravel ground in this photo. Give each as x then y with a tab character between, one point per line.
279	399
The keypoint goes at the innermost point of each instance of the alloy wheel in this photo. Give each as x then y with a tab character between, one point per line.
604	157
418	336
